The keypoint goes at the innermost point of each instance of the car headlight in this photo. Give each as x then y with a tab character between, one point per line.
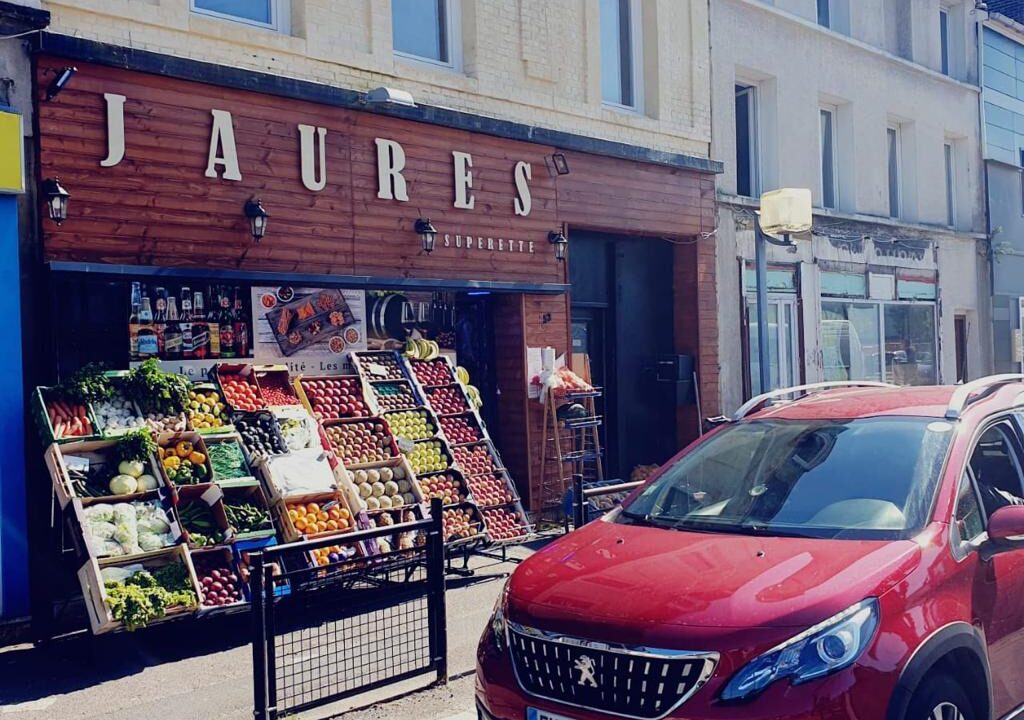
825	648
498	618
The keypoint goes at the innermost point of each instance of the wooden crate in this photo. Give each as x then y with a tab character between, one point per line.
212	496
95	450
252	492
95	594
275	470
230	437
290	533
169	440
86	548
222	556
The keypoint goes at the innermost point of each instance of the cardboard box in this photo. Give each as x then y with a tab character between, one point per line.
248	491
169	441
212	496
227	439
219	557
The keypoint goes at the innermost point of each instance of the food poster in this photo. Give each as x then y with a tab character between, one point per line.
311	330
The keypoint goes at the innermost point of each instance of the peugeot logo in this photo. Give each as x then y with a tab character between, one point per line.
585	665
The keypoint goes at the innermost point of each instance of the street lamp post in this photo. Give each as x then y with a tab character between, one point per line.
783	212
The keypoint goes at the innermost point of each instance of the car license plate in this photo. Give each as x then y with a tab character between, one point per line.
535	714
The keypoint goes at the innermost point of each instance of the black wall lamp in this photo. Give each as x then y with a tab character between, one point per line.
428	234
64	76
560	241
56	199
258	217
558	162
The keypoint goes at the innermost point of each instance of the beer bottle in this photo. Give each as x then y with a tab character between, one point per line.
200	330
172	333
187	342
241	327
227	326
213	321
147	344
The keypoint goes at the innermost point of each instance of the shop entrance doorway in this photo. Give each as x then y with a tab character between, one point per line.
622	317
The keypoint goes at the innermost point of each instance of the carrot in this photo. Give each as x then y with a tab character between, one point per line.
86	427
52	416
58	431
63	408
80	411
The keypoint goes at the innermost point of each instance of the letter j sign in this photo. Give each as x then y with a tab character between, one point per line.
12	154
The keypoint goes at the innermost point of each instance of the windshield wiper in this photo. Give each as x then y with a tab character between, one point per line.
651	520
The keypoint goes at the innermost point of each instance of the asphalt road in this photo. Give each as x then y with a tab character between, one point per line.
203	670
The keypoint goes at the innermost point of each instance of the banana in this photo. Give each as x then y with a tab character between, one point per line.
462	374
433	350
410	348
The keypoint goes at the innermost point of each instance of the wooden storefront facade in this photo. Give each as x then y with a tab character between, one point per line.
344	185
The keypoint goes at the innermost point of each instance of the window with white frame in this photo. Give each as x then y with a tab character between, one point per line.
747	165
825	13
427	30
944	40
621	48
892	137
271	14
829	171
949	161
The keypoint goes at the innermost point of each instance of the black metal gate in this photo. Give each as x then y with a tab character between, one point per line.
324	632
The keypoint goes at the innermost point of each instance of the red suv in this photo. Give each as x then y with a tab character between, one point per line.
829	552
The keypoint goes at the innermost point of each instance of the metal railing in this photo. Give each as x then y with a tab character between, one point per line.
976	390
582	495
324	631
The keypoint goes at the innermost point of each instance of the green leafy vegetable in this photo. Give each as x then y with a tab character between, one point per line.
88	384
156	391
135	445
146	596
227	460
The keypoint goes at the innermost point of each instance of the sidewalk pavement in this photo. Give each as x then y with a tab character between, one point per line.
202	670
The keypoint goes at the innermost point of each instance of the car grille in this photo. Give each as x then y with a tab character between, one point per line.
631	682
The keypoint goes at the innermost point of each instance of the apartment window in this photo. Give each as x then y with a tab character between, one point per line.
950	168
747	177
426	30
620	49
893	145
825	13
944	40
829	184
1022	184
271	14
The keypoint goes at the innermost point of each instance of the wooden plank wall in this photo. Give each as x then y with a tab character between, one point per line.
157	207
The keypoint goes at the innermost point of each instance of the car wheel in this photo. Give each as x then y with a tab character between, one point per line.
940	697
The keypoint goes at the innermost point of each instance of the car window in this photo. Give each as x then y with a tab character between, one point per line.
996	469
970	522
872	477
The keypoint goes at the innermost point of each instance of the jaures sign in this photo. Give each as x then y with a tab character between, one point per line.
392	172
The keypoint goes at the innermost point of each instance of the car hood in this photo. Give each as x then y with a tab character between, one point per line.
633	578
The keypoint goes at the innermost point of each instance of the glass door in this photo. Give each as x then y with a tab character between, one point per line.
783	343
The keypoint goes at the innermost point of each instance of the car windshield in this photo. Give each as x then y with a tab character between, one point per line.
856	479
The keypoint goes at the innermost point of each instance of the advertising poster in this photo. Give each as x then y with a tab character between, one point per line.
310	330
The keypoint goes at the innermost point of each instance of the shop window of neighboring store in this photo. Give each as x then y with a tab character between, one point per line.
747	165
427	30
271	14
865	339
621	48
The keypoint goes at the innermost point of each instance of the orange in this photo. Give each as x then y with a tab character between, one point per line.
300	509
312	508
332	524
321	560
300	524
311	518
321	526
343	524
345	514
322	515
334	513
293	514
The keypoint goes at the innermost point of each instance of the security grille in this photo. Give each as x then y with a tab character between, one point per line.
631	682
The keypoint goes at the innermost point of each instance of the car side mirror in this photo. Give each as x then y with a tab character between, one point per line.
1005	531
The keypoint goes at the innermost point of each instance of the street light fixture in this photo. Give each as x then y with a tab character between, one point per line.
783	212
258	217
56	199
428	234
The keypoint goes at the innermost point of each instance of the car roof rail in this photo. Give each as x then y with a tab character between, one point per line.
750	405
976	390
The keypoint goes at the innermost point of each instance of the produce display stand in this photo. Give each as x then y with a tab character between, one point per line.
444	370
571	448
244	467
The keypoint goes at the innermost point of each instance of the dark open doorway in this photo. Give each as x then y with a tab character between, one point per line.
622	317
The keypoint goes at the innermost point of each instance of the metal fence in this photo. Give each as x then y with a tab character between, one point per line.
324	632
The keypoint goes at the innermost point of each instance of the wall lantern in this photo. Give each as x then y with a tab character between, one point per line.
258	217
64	76
428	234
56	199
561	243
786	211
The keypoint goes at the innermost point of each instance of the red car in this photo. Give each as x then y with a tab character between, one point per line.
830	552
